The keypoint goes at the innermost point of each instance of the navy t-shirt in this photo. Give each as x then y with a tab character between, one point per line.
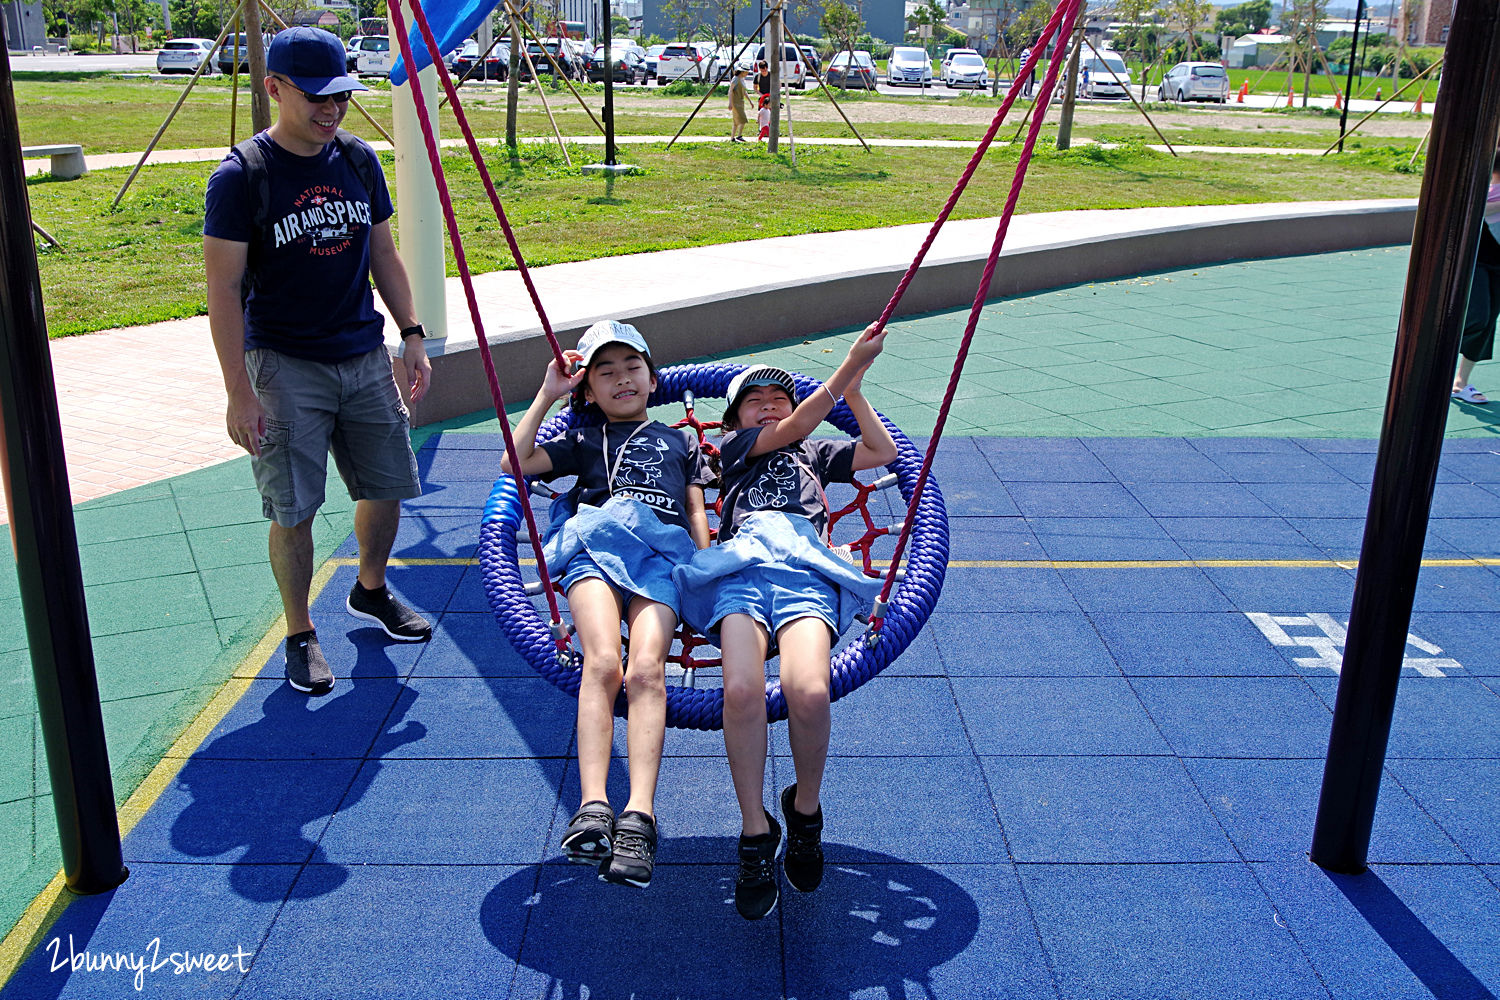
789	479
312	297
655	465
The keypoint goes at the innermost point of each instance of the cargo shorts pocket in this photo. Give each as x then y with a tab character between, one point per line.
261	365
273	468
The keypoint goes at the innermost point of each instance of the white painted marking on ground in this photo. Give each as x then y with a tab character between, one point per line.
1328	644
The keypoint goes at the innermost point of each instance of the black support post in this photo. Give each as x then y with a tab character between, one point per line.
1359	14
609	86
46	543
1464	128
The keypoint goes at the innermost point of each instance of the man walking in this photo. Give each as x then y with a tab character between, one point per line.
296	223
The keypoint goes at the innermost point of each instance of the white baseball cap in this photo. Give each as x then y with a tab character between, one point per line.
609	331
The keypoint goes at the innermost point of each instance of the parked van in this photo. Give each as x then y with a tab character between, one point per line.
1095	78
793	65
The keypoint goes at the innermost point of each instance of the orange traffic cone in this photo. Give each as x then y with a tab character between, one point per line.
1418	108
1289	97
1338	101
1244	89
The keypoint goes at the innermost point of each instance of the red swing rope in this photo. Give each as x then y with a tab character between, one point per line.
1067	14
559	631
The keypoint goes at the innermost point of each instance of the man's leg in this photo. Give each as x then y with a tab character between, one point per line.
292	565
375	524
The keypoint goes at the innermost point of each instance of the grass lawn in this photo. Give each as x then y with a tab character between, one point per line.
142	262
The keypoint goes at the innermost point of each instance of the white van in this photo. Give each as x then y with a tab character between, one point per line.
1095	78
793	64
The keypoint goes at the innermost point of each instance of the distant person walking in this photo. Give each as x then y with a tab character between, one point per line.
1478	342
1030	79
738	93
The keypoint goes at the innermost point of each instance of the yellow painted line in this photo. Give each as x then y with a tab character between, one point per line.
50	903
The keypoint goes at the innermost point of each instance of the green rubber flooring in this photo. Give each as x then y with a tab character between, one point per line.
176	574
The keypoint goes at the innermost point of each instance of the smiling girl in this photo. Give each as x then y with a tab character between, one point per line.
774	583
635	512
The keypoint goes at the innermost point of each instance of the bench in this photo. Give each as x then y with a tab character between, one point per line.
67	159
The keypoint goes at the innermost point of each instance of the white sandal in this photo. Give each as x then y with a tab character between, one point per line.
1469	394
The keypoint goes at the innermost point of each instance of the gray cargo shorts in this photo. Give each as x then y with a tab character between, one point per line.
351	408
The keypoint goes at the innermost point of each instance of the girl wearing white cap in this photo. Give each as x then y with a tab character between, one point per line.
773	582
635	512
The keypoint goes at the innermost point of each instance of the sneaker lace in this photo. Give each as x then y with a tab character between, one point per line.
630	843
756	868
802	845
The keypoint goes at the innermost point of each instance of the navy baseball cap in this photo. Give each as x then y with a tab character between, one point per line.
313	59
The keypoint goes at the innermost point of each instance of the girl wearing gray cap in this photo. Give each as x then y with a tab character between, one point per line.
773	583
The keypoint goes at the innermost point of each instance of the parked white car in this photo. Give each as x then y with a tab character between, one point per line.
908	65
1194	81
685	61
793	66
966	69
373	57
1095	78
184	55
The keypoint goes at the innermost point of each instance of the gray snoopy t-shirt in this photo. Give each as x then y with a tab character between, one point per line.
649	462
789	479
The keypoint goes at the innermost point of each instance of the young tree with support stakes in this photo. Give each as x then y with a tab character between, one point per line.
1189	16
842	23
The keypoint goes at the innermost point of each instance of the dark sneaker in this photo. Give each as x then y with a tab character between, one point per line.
306	670
587	841
394	618
634	851
804	844
756	890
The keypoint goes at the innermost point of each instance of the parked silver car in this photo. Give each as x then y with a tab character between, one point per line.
184	55
966	69
1194	81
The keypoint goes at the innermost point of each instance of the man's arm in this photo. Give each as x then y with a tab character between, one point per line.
395	291
224	265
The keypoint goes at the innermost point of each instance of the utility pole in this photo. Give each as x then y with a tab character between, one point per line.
1359	13
773	55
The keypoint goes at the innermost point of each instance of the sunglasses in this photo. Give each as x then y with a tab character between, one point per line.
342	97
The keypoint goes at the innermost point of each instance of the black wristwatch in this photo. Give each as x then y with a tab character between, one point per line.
417	329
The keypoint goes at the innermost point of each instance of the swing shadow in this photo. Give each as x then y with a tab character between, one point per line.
1438	969
876	923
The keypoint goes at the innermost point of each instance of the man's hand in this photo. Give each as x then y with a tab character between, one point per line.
246	420
418	367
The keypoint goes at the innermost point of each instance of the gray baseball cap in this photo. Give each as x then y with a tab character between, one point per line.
760	375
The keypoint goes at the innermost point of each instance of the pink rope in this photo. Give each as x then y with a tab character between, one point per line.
1069	11
394	9
484	171
974	161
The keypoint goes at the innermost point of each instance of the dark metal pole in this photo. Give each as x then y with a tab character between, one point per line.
1465	123
609	87
1359	13
46	543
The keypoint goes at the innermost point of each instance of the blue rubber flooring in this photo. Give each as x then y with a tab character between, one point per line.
1091	776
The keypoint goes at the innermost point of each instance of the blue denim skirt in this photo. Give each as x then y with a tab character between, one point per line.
622	543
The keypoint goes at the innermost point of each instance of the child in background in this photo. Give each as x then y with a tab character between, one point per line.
634	514
773	582
1478	342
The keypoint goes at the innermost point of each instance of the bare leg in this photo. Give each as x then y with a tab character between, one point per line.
651	627
596	614
1465	370
291	564
744	642
375	523
805	681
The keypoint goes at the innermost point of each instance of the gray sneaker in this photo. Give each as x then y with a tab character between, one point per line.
634	851
394	618
588	838
306	670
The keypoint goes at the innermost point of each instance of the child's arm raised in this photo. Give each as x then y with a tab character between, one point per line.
555	385
876	447
811	411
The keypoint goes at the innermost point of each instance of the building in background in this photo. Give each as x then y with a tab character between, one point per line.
1429	23
24	26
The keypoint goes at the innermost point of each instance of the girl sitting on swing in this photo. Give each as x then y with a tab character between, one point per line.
635	513
774	583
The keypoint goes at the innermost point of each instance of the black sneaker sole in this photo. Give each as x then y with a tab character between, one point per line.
613	879
420	637
592	852
315	691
